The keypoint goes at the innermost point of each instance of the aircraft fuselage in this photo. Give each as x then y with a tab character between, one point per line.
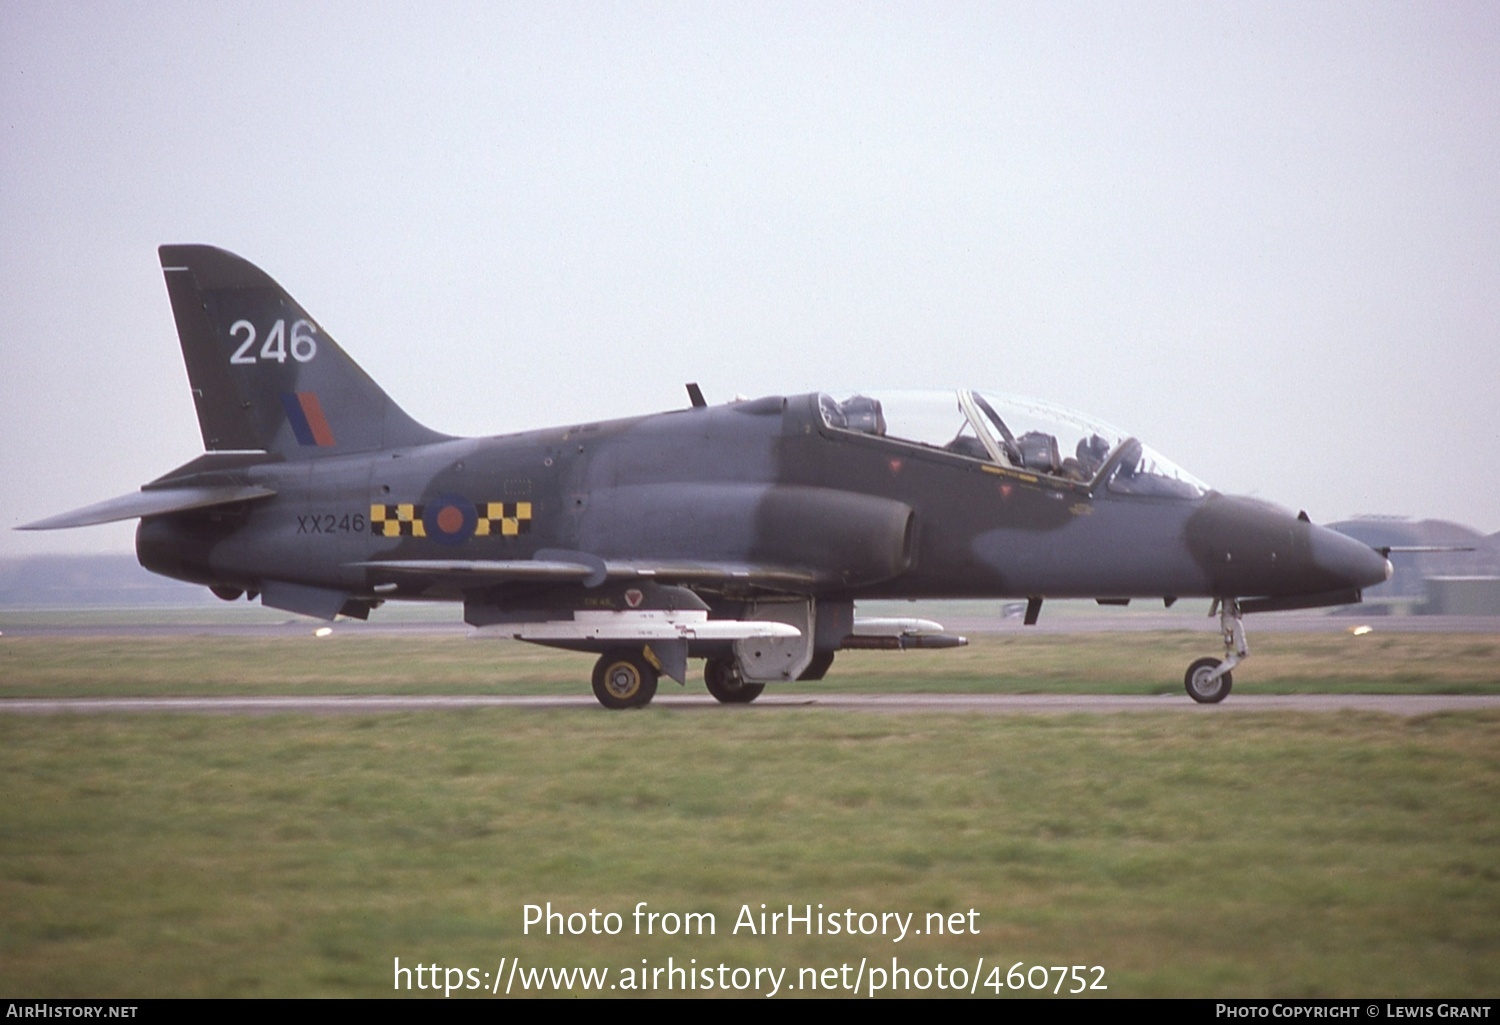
740	533
763	483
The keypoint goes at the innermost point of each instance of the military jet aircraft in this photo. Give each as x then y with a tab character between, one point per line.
741	534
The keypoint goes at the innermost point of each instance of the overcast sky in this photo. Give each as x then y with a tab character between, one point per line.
1264	238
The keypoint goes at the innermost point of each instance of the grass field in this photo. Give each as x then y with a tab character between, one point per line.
1250	855
347	663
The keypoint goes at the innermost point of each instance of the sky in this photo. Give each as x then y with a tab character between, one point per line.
1262	237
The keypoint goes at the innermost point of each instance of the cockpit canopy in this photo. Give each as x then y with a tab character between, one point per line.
1018	433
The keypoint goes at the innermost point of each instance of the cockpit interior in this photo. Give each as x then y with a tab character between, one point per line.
1019	434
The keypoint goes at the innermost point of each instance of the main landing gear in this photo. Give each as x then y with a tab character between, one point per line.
624	679
1208	680
726	684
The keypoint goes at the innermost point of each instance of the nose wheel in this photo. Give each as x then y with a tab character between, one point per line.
1208	680
1203	685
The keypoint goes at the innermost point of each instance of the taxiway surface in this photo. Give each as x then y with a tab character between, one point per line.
991	704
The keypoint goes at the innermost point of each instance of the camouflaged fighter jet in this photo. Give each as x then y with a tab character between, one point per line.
741	534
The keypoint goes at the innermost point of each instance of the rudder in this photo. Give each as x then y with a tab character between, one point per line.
264	374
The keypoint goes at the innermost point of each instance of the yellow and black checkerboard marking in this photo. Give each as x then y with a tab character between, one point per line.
403	520
496	519
503	519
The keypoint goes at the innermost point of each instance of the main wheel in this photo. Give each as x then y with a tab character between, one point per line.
818	667
623	679
725	683
1203	690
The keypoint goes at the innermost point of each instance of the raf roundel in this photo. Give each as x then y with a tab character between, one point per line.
450	520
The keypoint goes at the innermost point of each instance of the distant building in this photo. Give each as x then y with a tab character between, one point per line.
1462	596
1431	582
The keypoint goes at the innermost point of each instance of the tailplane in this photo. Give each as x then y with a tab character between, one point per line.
264	374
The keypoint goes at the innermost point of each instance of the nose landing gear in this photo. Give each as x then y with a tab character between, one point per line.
1208	680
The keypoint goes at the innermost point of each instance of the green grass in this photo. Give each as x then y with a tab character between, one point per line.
1279	854
351	663
1258	855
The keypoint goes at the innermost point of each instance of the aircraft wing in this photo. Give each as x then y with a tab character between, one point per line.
152	502
592	571
481	570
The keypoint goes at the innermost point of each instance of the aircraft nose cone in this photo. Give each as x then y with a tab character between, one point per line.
1352	561
1249	547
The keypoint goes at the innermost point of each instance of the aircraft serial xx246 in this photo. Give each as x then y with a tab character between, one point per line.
741	533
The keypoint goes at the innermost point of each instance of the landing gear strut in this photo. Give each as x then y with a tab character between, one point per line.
722	675
624	679
1208	680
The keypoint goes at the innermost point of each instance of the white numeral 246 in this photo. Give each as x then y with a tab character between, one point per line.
304	344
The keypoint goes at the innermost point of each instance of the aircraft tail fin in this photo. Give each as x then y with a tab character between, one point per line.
264	374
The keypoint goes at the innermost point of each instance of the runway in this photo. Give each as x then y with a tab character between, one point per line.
965	704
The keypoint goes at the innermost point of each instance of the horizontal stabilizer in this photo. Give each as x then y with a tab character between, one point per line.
156	502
